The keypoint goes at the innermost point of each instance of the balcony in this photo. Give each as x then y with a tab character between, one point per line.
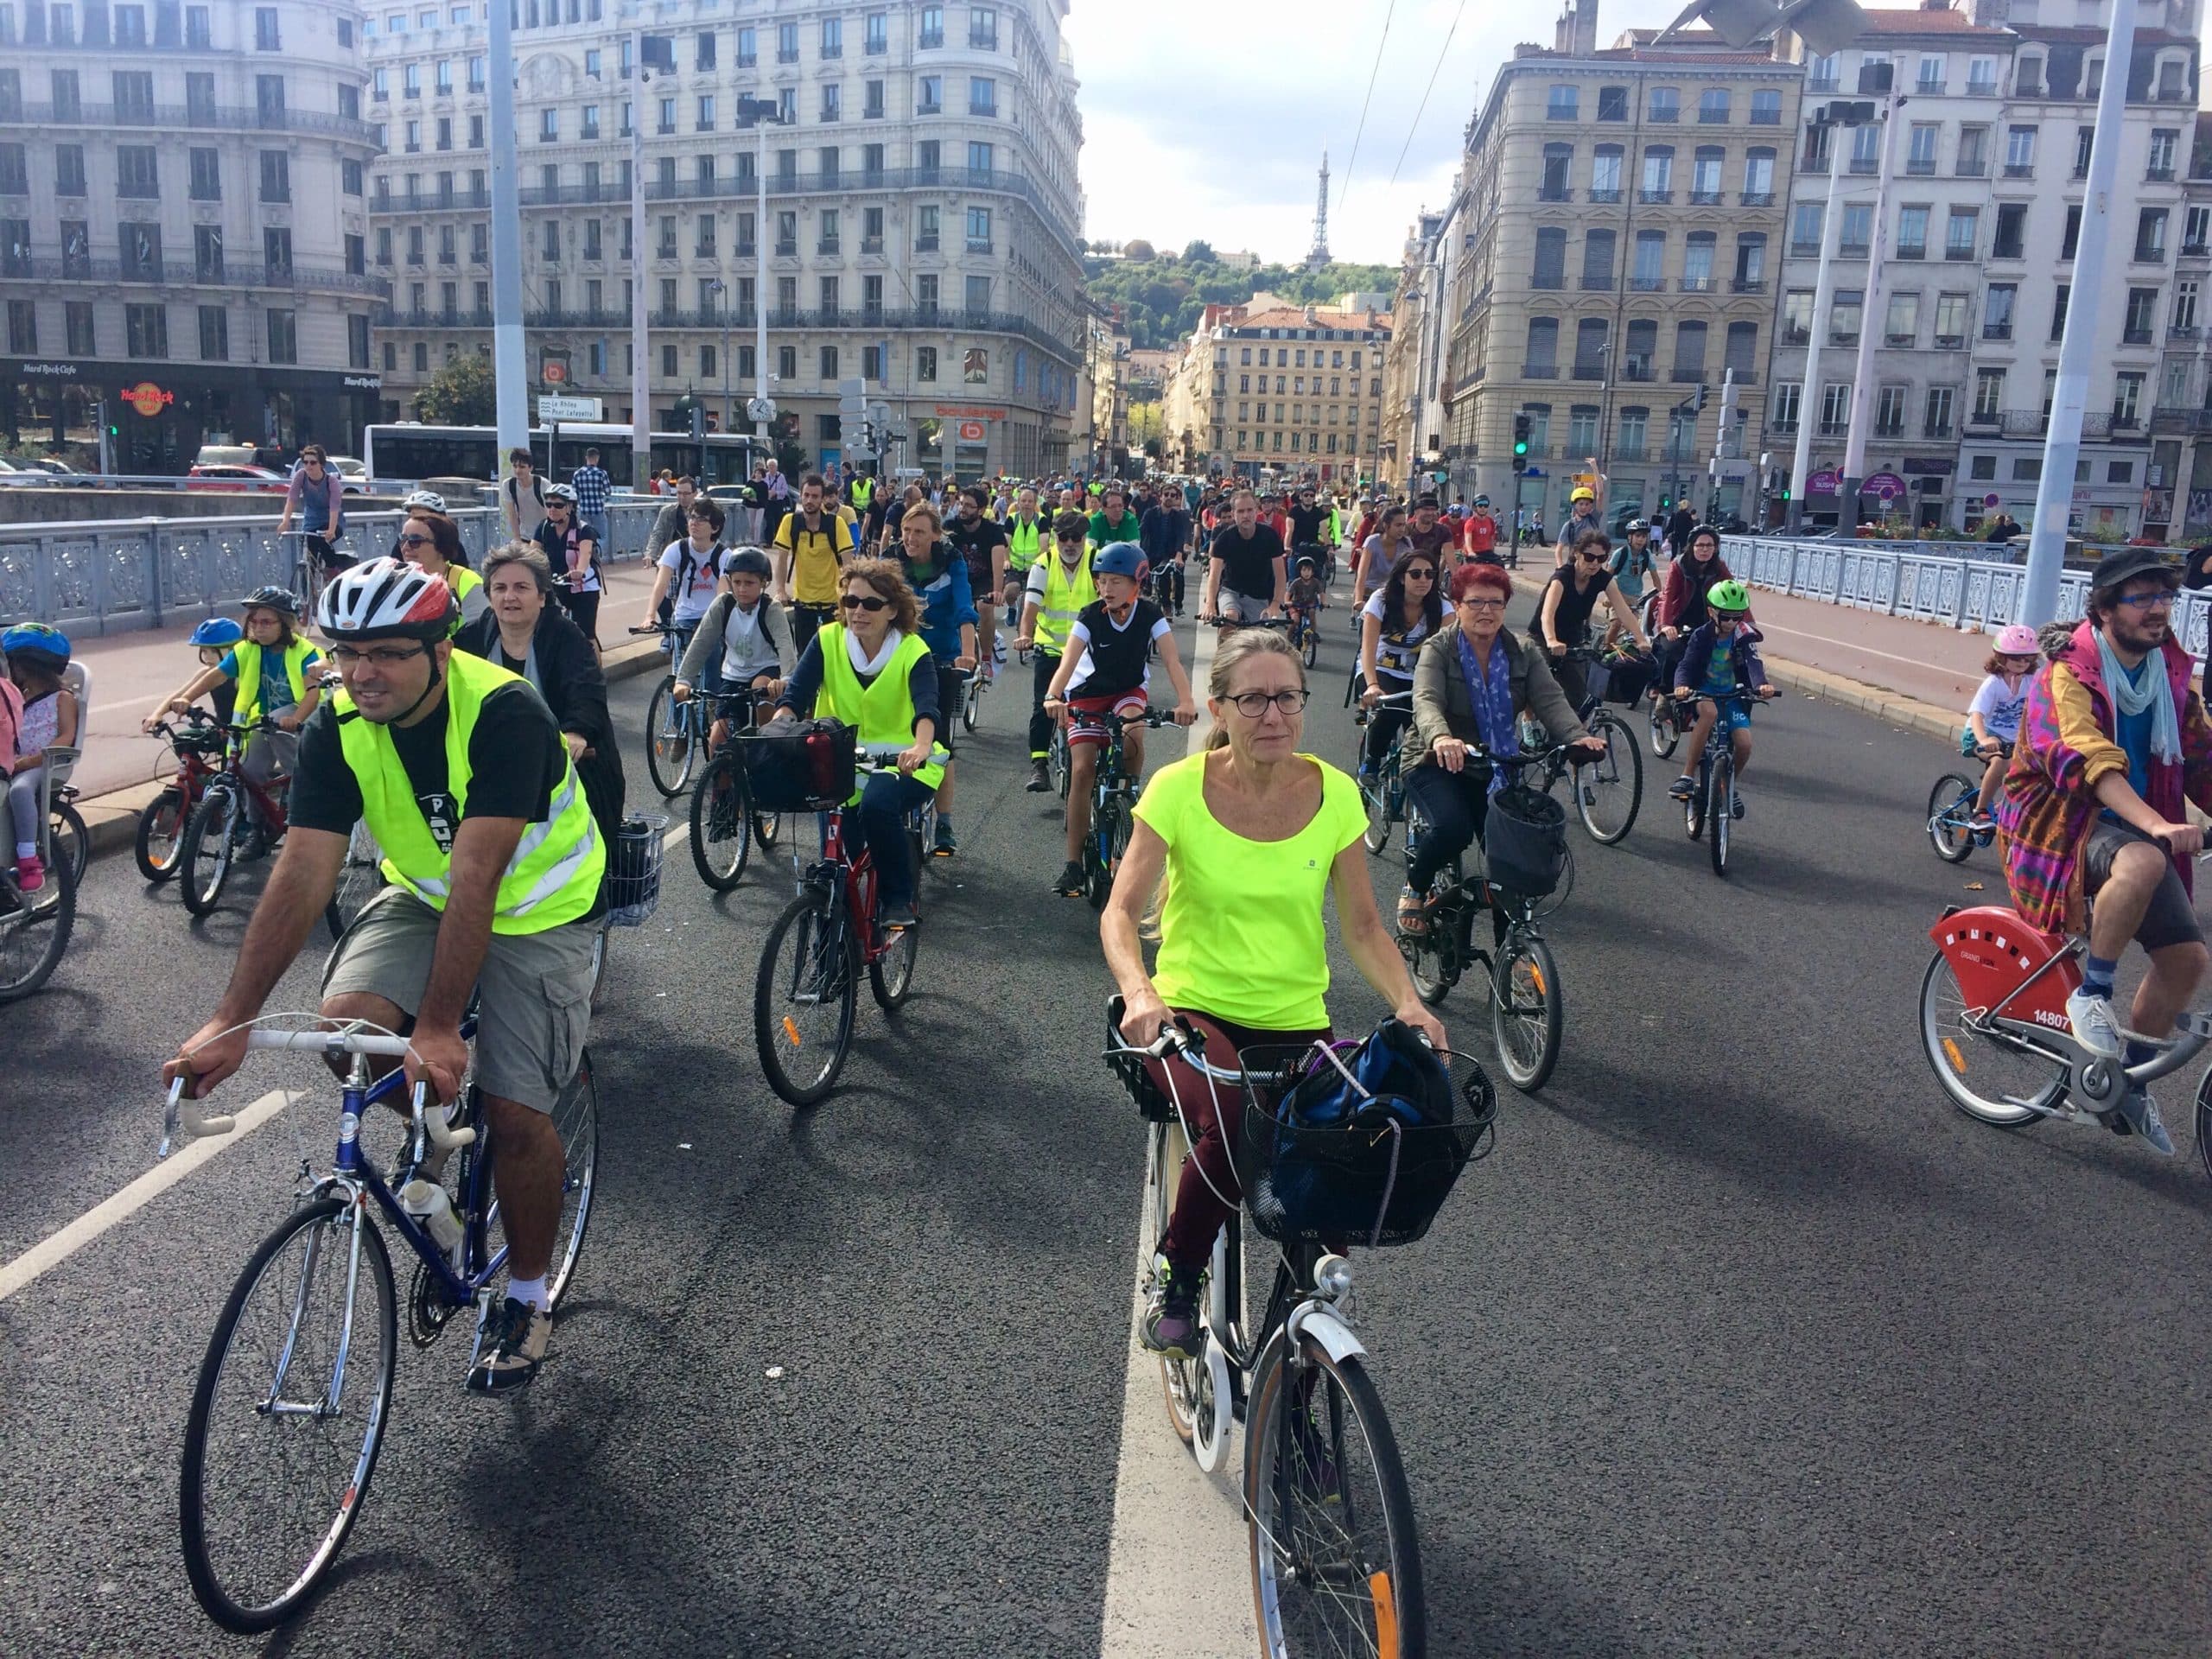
1843	336
1539	371
1921	167
1783	426
1655	198
1819	84
1866	166
2159	176
1747	285
1687	377
1555	193
1755	198
1697	284
1988	419
1888	429
1817	166
2019	170
1936	429
333	279
787	247
1997	331
1832	428
1981	89
1950	342
1606	196
1804	250
1971	167
1766	117
1590	371
199	116
1664	118
1853	250
2135	336
871	245
1959	255
1910	251
1707	198
1642	284
2007	251
1796	333
2143	256
1597	283
2186	331
2194	250
1638	370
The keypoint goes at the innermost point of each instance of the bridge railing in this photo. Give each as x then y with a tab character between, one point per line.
1907	579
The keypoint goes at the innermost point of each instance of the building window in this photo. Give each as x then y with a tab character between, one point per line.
1988	394
925	229
748	48
2150	236
828	362
1664	104
787	363
1713	106
1912	231
982	95
786	42
146	330
77	328
275	176
1550	269
69	170
931	33
1845	307
135	175
1766	109
833	102
979	230
930	98
875	35
265	36
833	37
1997	308
1561	103
925	363
2020	152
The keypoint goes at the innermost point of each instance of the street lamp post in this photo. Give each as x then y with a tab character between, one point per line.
510	387
721	298
1862	394
762	112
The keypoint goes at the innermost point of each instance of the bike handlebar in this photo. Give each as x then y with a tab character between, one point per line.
180	1113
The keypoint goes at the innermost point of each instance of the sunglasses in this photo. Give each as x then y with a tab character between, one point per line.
416	541
867	602
1420	573
1072	538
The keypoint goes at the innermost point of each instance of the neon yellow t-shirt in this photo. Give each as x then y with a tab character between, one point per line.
1240	933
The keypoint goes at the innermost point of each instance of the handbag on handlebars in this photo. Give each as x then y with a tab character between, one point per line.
1525	842
800	766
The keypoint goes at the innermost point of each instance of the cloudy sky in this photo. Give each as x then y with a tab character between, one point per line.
1208	117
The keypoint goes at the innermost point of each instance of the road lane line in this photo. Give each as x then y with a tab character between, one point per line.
57	1248
1863	650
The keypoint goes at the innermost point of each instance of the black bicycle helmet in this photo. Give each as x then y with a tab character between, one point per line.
745	561
269	597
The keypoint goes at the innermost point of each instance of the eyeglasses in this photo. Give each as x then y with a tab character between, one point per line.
1480	603
1253	704
382	656
867	602
416	541
2147	601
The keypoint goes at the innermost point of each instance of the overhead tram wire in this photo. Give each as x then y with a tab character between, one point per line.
1372	74
1434	70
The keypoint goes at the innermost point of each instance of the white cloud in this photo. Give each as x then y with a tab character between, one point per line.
1207	119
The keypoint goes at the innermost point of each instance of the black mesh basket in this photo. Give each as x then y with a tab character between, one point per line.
1525	842
1628	677
801	766
1371	1178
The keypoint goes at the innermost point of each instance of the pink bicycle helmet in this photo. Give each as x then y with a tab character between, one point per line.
2018	640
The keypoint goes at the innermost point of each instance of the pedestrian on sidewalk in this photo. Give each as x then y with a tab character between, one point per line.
591	484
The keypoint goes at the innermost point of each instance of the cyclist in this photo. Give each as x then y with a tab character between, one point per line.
1104	675
1582	515
873	671
319	493
1472	682
427	538
1244	577
1634	563
213	640
1720	656
1060	586
45	716
1993	716
1028	538
2113	745
1681	601
1479	537
457	768
1308	526
810	544
1429	532
1164	533
692	565
1114	522
1248	837
943	580
571	549
1308	595
1407	609
982	542
743	644
1388	544
1562	619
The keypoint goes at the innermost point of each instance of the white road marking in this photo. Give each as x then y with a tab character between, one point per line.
1202	650
1853	646
57	1248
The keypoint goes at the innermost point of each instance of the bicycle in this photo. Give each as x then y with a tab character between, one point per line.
1383	792
1305	634
725	825
1713	800
1334	1548
1953	806
312	554
221	820
973	683
806	990
1604	799
674	732
159	846
35	927
1114	799
272	1397
1994	1026
1527	1003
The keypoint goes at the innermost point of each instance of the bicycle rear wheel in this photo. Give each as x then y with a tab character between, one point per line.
205	859
1665	736
35	933
721	822
288	1416
1313	645
804	998
1986	1075
1527	1011
1375	796
1336	1563
670	740
68	841
160	845
971	700
1950	807
1720	812
1608	791
891	976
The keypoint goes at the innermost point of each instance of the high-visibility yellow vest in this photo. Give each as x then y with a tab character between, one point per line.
554	874
1065	597
249	655
1023	542
884	711
863	491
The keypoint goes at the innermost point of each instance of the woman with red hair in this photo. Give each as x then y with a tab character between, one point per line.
1471	684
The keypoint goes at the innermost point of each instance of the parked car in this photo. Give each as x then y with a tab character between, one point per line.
353	475
231	477
17	475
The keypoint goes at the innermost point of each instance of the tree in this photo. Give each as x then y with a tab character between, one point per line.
1138	250
462	393
1146	427
1199	253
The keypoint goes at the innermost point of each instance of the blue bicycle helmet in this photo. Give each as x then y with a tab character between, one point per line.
36	640
1119	559
218	633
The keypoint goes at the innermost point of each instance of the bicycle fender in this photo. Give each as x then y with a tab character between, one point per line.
1992	950
1321	1323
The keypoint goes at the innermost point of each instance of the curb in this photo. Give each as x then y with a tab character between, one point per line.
112	820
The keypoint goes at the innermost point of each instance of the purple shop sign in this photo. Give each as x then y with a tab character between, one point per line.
1884	486
1824	482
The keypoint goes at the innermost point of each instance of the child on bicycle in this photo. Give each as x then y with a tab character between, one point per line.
1993	716
1307	597
44	715
1720	658
741	643
213	640
271	667
1105	674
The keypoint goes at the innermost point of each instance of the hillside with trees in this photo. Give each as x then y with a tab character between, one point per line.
1161	295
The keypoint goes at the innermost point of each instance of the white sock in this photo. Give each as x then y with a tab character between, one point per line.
529	1290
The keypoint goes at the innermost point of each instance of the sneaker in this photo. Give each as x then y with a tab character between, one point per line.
1683	787
897	916
1040	778
514	1346
945	846
1736	806
2094	1027
1171	1325
998	652
2140	1112
1072	883
31	872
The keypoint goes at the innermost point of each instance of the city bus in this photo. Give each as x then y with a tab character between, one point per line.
408	452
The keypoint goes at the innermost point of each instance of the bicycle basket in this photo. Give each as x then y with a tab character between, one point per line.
1627	678
805	766
1524	840
1367	1160
1135	1074
633	869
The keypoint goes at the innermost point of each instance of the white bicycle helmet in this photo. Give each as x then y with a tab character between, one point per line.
430	499
561	493
385	599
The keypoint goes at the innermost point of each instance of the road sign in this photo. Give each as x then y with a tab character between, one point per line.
550	408
1884	486
553	368
1989	500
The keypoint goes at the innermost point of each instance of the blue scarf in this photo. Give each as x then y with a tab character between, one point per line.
1492	693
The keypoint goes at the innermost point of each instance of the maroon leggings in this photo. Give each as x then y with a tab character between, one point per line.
1201	1209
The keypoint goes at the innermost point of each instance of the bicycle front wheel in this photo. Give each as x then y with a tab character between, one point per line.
1375	796
1720	812
160	845
1665	736
205	859
971	700
670	741
288	1416
1608	791
1949	812
1312	647
721	822
804	998
1336	1564
1526	1011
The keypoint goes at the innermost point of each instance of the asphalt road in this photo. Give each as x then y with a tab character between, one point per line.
1743	1341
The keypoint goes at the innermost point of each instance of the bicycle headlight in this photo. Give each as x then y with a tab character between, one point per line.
1332	1278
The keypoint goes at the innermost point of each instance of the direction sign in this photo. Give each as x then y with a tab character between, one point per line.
569	408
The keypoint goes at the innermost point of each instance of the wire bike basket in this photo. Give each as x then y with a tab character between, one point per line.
633	869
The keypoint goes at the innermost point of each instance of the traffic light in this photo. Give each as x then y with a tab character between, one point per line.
1521	429
100	417
1785	495
1698	405
1666	505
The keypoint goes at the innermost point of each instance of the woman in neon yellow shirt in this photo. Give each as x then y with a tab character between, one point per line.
1250	836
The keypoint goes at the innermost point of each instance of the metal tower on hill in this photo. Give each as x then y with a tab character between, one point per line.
1319	254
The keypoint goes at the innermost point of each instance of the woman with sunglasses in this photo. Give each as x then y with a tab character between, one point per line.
430	540
872	670
1249	837
1391	627
1562	619
1471	685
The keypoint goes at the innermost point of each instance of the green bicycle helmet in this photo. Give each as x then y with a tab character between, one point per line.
1729	595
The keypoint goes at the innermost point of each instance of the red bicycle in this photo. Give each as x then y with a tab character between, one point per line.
807	987
160	847
220	824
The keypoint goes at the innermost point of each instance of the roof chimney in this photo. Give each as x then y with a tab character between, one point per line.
1585	41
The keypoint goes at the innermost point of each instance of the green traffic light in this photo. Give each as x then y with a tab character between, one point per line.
1520	449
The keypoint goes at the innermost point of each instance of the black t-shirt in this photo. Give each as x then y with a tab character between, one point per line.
1118	657
975	543
516	759
1571	622
1306	525
1248	562
2197	568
